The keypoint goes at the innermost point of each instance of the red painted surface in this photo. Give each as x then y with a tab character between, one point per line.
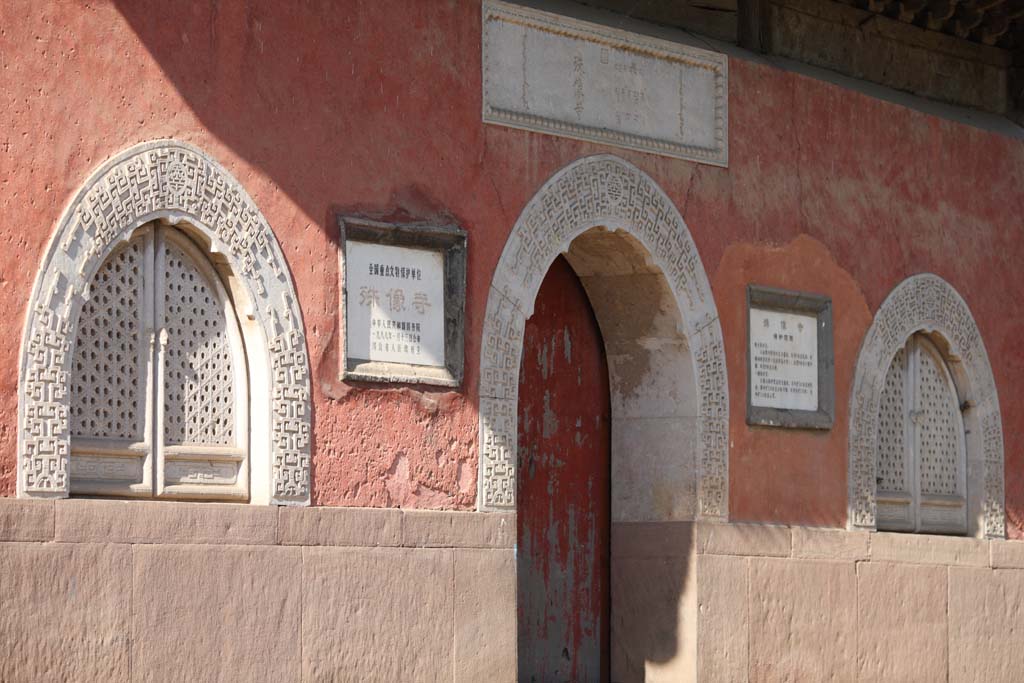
564	494
374	106
777	474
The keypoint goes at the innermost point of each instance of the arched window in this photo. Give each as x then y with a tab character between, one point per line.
926	436
159	399
265	455
922	461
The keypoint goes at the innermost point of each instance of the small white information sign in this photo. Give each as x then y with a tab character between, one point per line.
395	310
783	360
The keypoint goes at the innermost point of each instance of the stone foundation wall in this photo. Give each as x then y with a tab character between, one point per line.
773	603
780	603
97	590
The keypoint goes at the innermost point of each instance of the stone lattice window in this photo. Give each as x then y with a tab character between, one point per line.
921	468
158	383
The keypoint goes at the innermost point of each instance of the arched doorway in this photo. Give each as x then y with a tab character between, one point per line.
647	239
639	267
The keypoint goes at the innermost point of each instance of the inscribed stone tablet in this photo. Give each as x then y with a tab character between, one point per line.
395	309
783	360
549	73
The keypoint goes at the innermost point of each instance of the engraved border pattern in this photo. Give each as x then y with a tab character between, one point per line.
172	180
653	47
597	191
922	302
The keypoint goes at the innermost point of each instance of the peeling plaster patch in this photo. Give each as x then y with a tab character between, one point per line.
542	361
631	372
398	484
550	425
466	476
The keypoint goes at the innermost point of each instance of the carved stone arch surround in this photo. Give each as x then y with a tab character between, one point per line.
597	191
925	303
163	179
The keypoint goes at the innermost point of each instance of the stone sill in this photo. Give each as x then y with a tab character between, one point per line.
673	539
150	522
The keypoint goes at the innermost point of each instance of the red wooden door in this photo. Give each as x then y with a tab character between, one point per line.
563	489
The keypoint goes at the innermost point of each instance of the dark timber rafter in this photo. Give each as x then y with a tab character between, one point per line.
999	23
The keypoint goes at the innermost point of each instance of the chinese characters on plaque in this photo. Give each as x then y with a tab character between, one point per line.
395	309
783	360
549	73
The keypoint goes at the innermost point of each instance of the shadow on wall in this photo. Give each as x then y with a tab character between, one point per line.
653	611
322	99
654	445
363	107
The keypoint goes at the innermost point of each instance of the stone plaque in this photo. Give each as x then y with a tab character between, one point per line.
549	73
403	288
396	304
790	369
783	360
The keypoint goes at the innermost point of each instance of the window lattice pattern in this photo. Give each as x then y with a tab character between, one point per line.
105	370
937	425
891	429
198	374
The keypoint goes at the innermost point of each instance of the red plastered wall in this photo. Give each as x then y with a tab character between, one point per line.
374	107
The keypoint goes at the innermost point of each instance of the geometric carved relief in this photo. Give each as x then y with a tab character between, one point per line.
939	430
107	373
597	191
927	303
891	469
199	391
174	181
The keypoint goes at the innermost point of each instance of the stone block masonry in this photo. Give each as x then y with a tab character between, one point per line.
97	590
113	591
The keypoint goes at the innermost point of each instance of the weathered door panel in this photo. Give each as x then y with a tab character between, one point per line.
563	494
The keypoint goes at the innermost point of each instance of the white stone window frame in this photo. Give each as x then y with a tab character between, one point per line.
178	184
590	193
927	304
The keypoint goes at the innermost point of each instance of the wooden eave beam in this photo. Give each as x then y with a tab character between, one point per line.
909	9
995	24
966	19
939	12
